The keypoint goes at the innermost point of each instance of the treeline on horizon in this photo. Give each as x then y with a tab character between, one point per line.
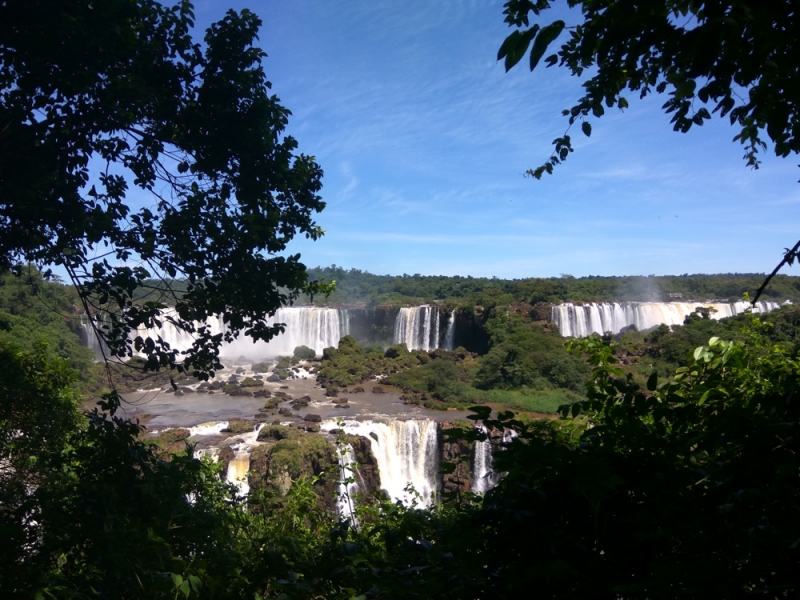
356	286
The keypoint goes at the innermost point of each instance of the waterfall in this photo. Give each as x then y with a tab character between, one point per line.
237	470
484	477
576	320
407	451
208	428
450	334
417	327
89	337
317	328
239	465
348	485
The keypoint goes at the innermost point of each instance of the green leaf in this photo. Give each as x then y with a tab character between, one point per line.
586	127
518	46
547	34
698	352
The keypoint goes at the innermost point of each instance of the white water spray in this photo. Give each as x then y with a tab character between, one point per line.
417	327
450	334
348	484
317	328
407	452
575	320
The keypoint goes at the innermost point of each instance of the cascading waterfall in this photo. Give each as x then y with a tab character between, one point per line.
208	428
575	320
484	477
407	452
240	463
89	337
317	328
348	483
450	334
417	327
237	470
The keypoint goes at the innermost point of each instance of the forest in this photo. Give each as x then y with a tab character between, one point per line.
645	464
354	286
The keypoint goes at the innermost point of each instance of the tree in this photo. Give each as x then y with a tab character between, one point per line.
683	489
733	57
128	151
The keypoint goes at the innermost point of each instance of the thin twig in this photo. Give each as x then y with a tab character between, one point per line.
789	256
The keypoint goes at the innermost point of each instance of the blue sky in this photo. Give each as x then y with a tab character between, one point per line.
424	140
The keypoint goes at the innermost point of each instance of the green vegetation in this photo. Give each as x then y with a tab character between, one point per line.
353	286
352	363
674	477
304	353
34	310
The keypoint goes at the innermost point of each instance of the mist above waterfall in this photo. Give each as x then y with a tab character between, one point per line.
316	328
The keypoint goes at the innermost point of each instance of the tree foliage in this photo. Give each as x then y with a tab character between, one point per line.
733	57
129	151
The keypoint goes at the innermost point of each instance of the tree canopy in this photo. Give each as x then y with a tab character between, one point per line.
130	151
733	57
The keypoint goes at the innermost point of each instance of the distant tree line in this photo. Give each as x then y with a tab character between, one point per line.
354	285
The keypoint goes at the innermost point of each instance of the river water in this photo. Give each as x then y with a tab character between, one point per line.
191	409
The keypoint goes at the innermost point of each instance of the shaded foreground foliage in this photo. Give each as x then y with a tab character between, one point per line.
683	487
104	100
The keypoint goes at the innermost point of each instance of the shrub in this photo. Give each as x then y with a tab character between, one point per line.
250	382
304	353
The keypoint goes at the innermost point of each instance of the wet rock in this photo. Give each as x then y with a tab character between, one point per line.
278	432
285	412
357	390
311	418
273	378
284	387
460	480
238	426
178	393
262	394
378	390
367	463
240	392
